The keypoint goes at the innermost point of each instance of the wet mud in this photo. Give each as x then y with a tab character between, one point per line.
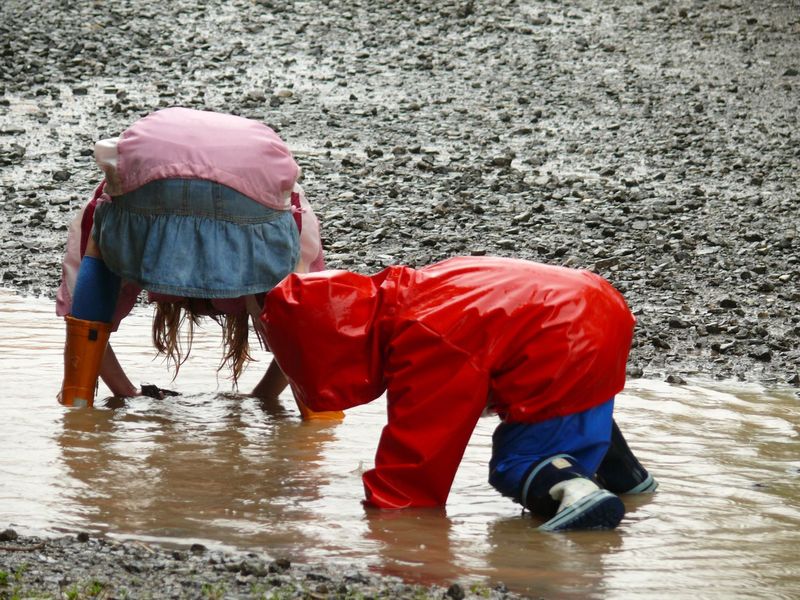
655	143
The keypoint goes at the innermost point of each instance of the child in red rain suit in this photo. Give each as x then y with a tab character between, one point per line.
543	347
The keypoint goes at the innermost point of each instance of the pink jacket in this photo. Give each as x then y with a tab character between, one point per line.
185	143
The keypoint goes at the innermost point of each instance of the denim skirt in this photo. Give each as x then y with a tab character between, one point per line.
196	239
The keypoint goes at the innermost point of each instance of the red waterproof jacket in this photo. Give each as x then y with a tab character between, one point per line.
527	340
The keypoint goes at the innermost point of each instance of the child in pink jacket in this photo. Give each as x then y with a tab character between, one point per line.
202	210
542	347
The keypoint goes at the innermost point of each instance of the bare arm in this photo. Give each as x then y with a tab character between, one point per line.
274	382
114	376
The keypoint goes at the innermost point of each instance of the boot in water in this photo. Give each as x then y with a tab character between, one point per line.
560	485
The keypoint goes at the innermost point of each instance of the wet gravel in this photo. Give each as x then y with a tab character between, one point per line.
656	143
80	567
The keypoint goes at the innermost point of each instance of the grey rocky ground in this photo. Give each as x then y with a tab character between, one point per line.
77	568
656	143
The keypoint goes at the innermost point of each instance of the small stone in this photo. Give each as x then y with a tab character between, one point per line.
279	566
8	535
82	537
677	323
660	343
761	353
197	549
507	244
456	592
766	287
255	568
724	347
502	161
635	372
675	379
357	577
132	567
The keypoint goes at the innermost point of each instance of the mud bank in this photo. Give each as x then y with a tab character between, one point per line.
655	143
80	567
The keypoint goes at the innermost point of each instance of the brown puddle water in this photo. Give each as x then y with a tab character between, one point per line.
217	468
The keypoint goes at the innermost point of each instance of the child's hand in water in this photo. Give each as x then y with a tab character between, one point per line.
153	391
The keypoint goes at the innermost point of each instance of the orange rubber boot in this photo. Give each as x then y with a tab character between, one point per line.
325	415
83	352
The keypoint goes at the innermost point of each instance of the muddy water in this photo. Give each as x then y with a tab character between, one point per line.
218	468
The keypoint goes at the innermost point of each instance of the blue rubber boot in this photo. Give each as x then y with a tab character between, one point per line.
560	485
620	472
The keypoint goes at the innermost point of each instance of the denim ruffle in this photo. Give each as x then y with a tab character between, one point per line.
196	239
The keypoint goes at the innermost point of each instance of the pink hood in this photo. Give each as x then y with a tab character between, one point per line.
193	144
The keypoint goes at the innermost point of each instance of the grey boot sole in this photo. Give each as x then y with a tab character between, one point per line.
599	510
647	486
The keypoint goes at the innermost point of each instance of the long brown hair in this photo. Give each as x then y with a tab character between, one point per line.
171	317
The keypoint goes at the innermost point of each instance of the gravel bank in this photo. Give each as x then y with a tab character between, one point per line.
77	568
655	143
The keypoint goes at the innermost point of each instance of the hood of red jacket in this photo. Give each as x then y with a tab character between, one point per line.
324	329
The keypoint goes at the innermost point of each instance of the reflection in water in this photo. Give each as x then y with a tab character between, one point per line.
546	561
414	544
223	469
183	470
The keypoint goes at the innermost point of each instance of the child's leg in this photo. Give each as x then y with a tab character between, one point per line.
96	291
620	472
548	468
88	329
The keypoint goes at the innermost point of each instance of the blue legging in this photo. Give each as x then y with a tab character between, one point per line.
96	290
517	446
